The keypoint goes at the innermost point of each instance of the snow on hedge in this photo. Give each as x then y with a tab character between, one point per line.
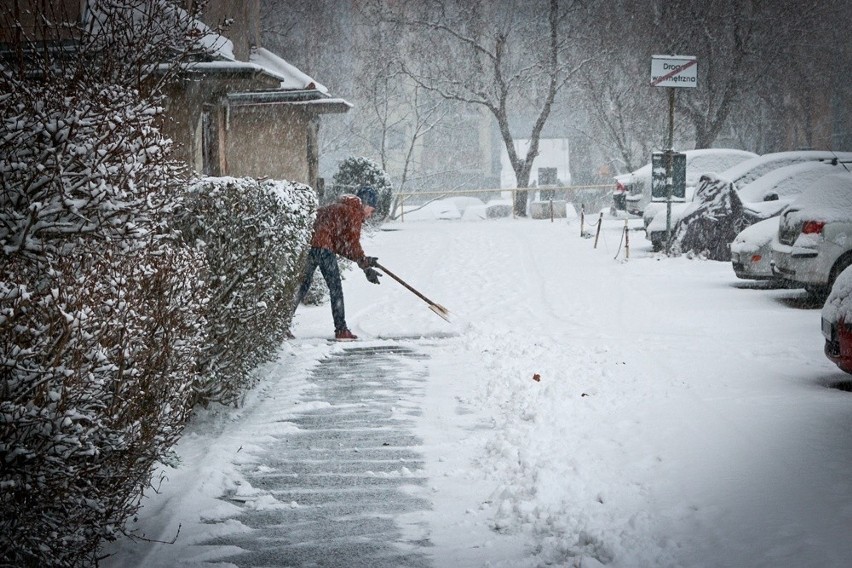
254	236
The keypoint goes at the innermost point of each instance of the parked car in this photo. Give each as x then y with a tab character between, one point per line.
751	251
766	197
633	190
782	176
814	240
836	312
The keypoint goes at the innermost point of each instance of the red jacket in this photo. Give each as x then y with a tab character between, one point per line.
338	227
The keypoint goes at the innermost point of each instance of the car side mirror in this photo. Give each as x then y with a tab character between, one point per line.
771	197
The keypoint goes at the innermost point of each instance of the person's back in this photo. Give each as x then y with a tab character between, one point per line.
338	227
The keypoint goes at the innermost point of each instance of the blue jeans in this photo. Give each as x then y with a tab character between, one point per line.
326	261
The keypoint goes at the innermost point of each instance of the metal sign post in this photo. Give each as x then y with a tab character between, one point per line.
672	71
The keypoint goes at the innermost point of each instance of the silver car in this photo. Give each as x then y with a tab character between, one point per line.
814	240
751	251
777	177
634	188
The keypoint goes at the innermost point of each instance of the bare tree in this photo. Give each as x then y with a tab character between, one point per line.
742	47
404	115
502	58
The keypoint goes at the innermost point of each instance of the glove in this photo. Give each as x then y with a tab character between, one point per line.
372	275
368	262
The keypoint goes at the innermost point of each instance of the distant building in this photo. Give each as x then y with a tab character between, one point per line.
551	168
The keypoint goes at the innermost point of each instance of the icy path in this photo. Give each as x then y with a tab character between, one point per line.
330	493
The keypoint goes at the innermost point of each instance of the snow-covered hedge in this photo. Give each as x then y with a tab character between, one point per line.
254	236
103	305
101	320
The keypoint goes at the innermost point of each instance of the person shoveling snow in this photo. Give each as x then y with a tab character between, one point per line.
337	231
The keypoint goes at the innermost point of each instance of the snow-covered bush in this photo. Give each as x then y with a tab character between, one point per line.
100	314
254	236
712	222
101	319
355	172
98	356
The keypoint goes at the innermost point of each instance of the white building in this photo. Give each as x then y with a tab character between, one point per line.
552	153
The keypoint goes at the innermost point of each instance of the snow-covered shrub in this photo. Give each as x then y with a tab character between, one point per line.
98	357
712	222
100	314
101	319
355	172
254	236
78	166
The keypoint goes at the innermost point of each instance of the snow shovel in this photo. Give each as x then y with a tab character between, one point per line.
437	308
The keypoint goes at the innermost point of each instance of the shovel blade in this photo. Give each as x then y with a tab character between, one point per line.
440	310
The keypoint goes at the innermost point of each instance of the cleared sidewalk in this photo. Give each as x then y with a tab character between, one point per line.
344	476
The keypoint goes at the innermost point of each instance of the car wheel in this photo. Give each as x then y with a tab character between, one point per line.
818	293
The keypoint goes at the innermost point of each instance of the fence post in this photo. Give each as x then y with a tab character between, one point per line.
582	219
598	232
626	240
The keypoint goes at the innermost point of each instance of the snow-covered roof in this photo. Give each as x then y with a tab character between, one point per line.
786	181
750	170
261	60
291	77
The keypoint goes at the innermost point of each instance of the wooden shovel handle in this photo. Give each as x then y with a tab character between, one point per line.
401	281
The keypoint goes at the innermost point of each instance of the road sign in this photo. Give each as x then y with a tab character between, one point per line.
659	161
674	71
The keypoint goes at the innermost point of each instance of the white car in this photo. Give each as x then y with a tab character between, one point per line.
633	190
751	251
814	240
783	176
766	197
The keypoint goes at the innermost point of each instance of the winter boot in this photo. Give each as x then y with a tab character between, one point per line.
344	335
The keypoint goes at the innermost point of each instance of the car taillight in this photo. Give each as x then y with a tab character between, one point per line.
813	227
619	186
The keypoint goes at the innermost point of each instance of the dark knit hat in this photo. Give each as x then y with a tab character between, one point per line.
368	196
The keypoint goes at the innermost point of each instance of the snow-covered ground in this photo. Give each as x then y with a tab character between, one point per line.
682	417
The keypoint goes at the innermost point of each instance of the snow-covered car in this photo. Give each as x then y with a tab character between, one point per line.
837	322
814	240
633	190
785	175
751	251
